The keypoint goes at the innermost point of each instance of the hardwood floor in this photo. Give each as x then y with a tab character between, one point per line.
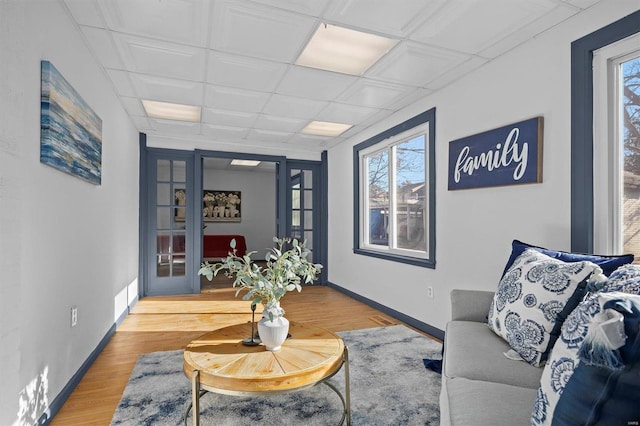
171	322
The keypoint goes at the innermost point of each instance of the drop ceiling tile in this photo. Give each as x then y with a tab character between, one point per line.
86	12
307	7
235	99
103	46
528	31
302	139
224	132
347	114
133	106
268	136
582	4
122	83
282	124
142	123
288	106
167	89
157	57
382	16
316	84
452	75
414	64
244	72
181	21
374	94
259	31
176	127
228	118
410	98
506	17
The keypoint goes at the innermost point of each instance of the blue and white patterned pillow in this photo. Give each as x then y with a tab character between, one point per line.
625	279
534	296
572	403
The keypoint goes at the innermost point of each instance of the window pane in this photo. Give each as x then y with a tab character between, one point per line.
308	199
295	199
164	194
164	171
378	201
308	179
179	171
410	194
630	118
164	218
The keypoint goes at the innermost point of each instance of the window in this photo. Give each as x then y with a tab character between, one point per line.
616	147
395	198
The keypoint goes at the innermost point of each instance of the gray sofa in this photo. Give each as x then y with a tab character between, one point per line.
480	386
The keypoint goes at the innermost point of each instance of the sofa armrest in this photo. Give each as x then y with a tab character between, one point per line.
470	305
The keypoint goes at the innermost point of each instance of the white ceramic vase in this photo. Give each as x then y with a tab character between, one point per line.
273	333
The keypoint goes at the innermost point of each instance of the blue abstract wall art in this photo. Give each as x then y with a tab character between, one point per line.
509	155
70	131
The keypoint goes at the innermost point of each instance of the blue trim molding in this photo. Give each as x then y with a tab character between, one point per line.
422	326
582	125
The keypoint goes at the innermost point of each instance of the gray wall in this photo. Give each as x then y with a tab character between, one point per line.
63	242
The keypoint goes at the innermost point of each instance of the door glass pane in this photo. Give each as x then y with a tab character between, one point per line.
295	199
308	199
178	242
308	235
180	199
378	201
178	266
164	170
410	193
164	218
630	117
179	171
164	194
308	179
308	219
295	219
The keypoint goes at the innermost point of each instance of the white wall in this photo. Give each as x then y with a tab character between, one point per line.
475	227
258	206
63	241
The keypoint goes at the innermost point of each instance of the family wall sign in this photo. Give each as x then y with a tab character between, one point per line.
509	155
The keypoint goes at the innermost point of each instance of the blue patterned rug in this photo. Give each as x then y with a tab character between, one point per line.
389	386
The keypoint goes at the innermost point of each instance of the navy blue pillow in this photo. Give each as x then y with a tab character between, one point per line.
608	264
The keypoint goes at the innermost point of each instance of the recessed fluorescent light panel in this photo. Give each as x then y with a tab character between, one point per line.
169	111
247	163
343	50
325	128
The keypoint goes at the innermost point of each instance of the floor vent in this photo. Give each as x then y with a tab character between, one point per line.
378	319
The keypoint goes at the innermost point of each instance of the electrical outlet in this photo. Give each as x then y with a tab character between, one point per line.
74	316
430	292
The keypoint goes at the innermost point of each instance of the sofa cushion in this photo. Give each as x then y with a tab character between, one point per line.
532	300
588	380
475	402
473	351
608	264
625	279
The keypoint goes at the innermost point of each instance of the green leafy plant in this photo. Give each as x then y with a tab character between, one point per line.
286	268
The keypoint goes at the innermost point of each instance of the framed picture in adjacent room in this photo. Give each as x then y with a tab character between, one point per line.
221	206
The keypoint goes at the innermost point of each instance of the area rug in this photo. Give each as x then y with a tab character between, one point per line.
388	380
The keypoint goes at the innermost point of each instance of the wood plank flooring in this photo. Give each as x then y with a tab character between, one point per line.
171	322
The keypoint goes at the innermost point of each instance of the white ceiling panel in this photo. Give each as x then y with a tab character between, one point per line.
235	59
224	132
156	57
225	69
326	85
182	21
269	122
346	114
103	46
374	94
254	30
415	64
234	99
224	117
122	83
85	12
167	89
506	16
288	106
381	16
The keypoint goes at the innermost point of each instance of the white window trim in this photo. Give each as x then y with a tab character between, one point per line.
385	145
607	154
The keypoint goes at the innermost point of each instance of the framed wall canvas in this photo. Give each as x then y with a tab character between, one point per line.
509	155
70	131
221	206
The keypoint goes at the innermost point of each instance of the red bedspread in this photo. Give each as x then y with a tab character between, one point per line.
212	245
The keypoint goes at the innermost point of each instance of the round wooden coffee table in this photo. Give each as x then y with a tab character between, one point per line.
219	362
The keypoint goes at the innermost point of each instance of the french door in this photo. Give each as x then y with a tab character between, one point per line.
170	265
